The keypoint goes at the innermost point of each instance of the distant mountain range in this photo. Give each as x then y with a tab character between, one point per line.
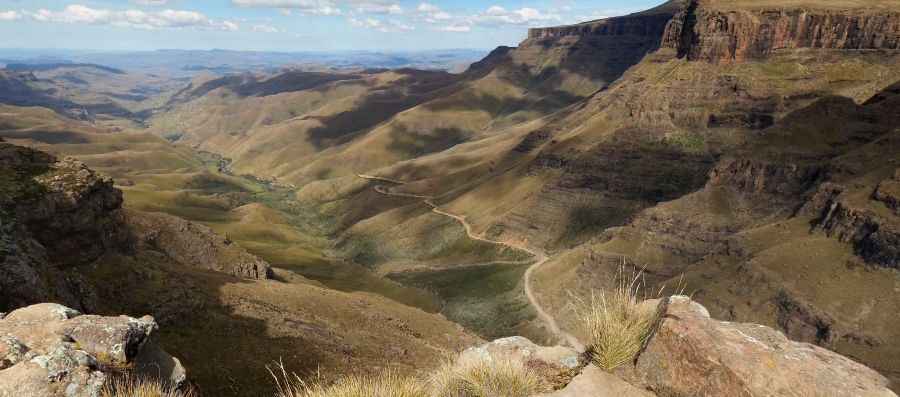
226	61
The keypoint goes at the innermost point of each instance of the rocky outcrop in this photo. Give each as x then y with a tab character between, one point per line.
49	350
691	354
875	238
53	215
194	245
777	179
707	31
75	218
888	192
56	216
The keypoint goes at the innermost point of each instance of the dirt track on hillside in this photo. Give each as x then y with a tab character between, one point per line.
539	256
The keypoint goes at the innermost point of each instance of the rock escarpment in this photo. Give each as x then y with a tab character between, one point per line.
713	31
49	350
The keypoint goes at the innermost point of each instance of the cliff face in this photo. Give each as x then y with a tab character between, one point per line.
703	32
650	26
54	215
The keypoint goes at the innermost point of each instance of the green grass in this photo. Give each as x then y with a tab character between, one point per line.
486	299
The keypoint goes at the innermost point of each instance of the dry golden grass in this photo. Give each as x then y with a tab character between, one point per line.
132	386
485	376
481	376
388	384
616	323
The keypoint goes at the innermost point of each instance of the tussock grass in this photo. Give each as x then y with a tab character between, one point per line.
133	386
388	384
472	376
484	376
616	324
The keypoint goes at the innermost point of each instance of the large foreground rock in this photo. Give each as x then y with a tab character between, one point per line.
694	355
49	350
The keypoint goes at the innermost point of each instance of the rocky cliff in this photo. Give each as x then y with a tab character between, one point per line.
58	215
720	32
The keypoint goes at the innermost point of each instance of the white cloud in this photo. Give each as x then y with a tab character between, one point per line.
381	26
10	16
497	15
327	7
432	14
264	29
308	7
153	3
460	28
80	14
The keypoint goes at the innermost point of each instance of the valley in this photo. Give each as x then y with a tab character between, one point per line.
355	220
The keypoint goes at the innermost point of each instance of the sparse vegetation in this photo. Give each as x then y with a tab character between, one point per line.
134	386
467	376
616	323
388	384
484	376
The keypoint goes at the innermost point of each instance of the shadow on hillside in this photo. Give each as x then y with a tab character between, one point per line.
380	105
410	144
225	354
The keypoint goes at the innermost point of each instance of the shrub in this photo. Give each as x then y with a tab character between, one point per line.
484	376
616	324
131	386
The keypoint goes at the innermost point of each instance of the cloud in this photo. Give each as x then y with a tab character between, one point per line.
308	7
497	15
431	13
381	26
264	29
327	7
10	16
460	28
153	3
80	14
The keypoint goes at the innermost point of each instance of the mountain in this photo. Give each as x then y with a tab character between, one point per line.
744	152
66	238
759	120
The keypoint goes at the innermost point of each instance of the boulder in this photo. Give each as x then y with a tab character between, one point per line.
691	354
594	382
49	350
555	366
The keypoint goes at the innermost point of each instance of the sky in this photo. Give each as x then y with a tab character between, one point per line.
289	25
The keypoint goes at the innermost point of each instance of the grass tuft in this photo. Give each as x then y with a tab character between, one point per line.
485	376
131	386
388	384
616	324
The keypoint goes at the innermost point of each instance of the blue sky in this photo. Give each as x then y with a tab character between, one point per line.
289	25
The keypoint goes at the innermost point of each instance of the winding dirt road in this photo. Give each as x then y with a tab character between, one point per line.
540	257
